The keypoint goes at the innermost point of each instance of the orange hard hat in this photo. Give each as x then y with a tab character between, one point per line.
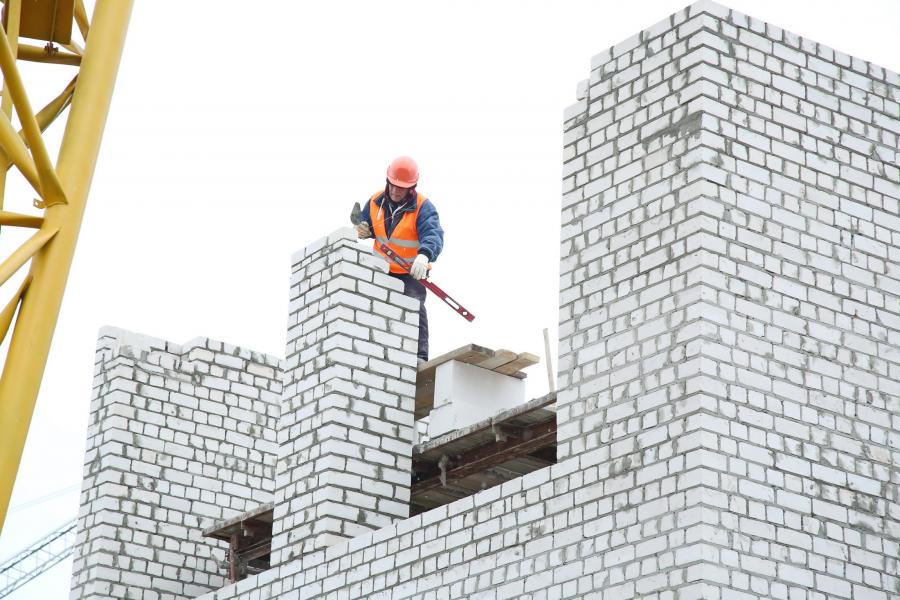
403	172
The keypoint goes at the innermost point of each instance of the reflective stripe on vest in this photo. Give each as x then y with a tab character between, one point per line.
404	239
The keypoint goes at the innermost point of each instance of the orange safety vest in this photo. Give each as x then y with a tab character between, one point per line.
404	239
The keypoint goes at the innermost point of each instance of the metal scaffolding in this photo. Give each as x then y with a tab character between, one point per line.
21	568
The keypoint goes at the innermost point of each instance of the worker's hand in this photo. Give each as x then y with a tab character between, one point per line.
362	231
419	267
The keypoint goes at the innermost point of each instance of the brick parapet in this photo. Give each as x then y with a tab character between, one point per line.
179	437
561	532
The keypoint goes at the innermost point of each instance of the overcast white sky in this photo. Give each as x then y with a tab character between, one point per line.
240	132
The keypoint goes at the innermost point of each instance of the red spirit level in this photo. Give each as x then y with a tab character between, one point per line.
437	291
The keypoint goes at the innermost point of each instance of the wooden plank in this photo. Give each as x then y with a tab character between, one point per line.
525	359
500	358
464	354
424	399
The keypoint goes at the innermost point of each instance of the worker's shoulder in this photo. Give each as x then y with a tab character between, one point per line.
427	204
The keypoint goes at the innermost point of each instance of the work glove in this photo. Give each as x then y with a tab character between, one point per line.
362	231
419	267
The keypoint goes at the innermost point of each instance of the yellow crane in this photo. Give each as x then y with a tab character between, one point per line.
32	311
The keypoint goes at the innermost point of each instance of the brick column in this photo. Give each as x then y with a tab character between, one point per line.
346	425
730	309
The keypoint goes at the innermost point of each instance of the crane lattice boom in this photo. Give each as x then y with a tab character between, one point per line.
21	568
30	309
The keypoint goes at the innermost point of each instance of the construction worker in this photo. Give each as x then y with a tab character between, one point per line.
408	223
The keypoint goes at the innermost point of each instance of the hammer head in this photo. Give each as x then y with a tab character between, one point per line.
355	217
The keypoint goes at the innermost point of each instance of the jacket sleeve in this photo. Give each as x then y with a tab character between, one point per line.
431	235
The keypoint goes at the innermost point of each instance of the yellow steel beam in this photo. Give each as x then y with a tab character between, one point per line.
44	118
17	220
52	191
17	153
24	252
13	18
74	47
33	330
6	315
81	19
55	107
37	54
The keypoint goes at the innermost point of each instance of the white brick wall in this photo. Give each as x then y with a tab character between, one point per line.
729	406
179	437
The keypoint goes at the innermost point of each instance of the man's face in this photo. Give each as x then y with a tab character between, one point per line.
396	193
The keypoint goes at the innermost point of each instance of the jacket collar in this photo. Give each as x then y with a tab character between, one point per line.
407	205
